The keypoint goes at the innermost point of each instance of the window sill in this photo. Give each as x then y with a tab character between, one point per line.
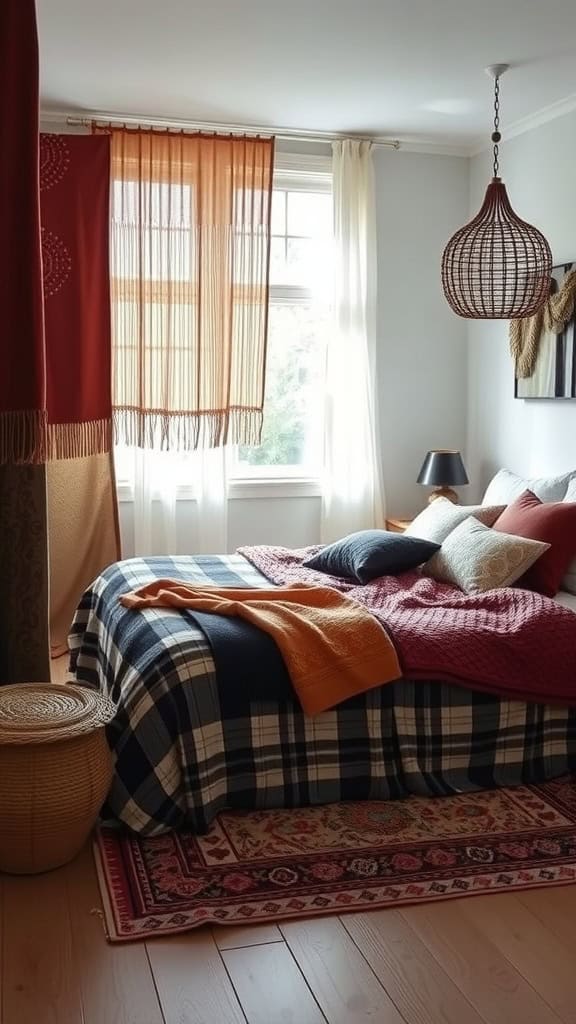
239	490
280	487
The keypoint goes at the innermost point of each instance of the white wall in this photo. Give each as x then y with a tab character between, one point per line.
421	200
529	437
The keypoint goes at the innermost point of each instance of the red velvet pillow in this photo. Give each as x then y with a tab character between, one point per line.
552	522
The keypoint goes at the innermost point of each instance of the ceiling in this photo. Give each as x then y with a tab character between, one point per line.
411	70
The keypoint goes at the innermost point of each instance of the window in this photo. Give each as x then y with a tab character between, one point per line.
298	321
300	280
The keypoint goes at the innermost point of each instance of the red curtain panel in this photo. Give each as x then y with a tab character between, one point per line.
82	511
22	376
23	541
74	204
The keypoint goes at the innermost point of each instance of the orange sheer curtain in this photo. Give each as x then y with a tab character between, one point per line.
190	241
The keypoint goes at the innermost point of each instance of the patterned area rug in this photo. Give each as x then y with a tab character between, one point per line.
256	866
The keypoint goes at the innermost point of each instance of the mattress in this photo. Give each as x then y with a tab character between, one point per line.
186	748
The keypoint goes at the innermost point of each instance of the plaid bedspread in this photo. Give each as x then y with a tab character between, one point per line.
185	750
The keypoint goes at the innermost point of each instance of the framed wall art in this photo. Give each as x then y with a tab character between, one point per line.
543	346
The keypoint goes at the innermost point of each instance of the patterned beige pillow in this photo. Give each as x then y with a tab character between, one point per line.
441	516
476	558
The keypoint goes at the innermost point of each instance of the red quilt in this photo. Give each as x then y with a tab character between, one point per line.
511	642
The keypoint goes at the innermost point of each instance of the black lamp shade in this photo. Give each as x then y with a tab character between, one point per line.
443	468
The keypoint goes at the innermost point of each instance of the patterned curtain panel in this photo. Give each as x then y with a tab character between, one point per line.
74	205
83	529
23	547
190	262
83	534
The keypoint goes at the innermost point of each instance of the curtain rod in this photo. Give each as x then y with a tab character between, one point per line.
286	134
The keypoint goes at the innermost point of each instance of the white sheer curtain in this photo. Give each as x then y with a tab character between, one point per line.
202	524
209	469
154	503
353	494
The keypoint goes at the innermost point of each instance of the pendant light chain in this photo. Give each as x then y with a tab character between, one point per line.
496	136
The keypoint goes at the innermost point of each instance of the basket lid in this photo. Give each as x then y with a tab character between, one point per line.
49	712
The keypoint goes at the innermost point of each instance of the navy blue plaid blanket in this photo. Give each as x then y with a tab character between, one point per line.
186	748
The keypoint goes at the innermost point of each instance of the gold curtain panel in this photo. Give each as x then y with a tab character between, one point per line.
190	239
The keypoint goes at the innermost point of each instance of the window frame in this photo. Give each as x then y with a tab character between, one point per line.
294	172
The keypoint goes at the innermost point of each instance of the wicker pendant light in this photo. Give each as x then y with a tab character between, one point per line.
497	267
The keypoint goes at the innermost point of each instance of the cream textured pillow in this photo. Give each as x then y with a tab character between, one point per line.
441	516
505	487
476	558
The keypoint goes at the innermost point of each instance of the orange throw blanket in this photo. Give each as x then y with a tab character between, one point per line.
333	648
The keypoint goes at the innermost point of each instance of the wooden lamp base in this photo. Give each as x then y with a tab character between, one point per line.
443	492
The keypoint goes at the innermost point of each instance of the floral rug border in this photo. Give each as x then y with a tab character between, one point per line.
345	900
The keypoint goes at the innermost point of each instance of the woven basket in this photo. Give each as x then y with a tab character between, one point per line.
55	772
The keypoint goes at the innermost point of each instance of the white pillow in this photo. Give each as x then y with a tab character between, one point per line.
505	487
571	490
477	559
569	581
441	516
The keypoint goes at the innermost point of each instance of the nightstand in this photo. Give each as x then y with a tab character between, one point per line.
397	525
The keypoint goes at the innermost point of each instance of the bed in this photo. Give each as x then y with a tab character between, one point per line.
186	747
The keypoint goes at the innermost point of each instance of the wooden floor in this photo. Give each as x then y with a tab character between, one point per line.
508	959
504	959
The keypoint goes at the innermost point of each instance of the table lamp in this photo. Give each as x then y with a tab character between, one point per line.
442	469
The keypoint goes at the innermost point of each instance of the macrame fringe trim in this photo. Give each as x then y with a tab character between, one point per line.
78	440
26	437
23	437
525	337
185	432
553	316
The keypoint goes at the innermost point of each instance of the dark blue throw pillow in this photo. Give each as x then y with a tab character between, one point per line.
369	553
